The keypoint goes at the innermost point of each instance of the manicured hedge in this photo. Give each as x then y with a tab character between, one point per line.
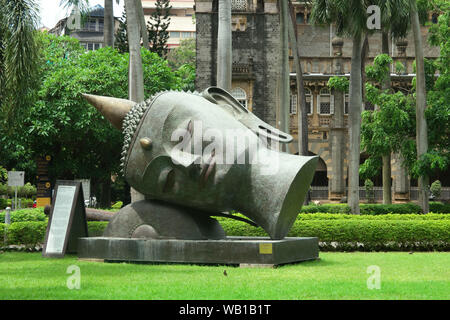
389	216
362	234
33	232
25	203
375	209
23	215
339	232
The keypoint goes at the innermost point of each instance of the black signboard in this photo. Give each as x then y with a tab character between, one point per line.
44	187
67	220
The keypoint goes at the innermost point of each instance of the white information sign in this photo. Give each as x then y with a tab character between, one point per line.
16	178
60	219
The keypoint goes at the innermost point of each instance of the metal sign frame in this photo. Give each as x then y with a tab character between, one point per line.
76	201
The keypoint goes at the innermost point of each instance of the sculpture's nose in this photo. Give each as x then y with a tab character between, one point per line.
112	109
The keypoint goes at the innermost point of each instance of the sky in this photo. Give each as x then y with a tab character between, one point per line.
51	11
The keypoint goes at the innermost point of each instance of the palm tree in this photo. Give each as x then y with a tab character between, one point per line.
301	97
284	85
135	69
394	20
108	30
18	55
421	122
350	18
224	46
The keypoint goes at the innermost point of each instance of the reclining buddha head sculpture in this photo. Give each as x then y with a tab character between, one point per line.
205	151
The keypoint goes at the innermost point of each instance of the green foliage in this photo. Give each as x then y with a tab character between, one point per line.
388	216
186	73
400	67
3	175
117	205
379	71
363	232
96	228
338	83
370	194
368	234
30	233
25	215
64	125
436	188
377	209
121	37
157	27
18	58
185	53
24	203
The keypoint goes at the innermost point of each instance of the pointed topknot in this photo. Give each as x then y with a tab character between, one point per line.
113	109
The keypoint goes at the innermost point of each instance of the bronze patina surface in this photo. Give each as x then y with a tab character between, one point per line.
176	152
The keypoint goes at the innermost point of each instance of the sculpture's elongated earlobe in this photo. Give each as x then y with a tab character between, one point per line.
113	109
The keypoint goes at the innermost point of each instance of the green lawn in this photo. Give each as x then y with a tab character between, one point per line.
335	276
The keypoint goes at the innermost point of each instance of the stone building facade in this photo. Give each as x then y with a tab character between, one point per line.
256	74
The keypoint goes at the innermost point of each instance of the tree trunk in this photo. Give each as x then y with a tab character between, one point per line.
142	24
108	30
302	113
284	81
355	125
421	122
135	69
224	46
385	85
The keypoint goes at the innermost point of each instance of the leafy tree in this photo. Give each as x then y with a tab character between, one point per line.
157	27
186	73
121	35
81	142
350	18
183	54
18	58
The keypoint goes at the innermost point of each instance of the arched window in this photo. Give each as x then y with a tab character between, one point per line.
240	95
325	101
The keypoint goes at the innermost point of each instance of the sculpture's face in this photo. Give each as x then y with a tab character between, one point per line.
205	152
193	152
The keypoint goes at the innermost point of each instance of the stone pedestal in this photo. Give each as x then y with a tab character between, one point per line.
232	250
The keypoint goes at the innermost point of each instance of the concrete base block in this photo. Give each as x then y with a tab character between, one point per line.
245	251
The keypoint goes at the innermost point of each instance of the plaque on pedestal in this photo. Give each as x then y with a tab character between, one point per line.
67	220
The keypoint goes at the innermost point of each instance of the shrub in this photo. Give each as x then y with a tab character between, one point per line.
362	234
370	194
389	216
331	208
3	203
117	205
435	189
24	203
376	208
96	228
28	233
439	207
25	215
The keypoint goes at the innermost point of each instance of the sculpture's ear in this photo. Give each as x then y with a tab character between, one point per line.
225	100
